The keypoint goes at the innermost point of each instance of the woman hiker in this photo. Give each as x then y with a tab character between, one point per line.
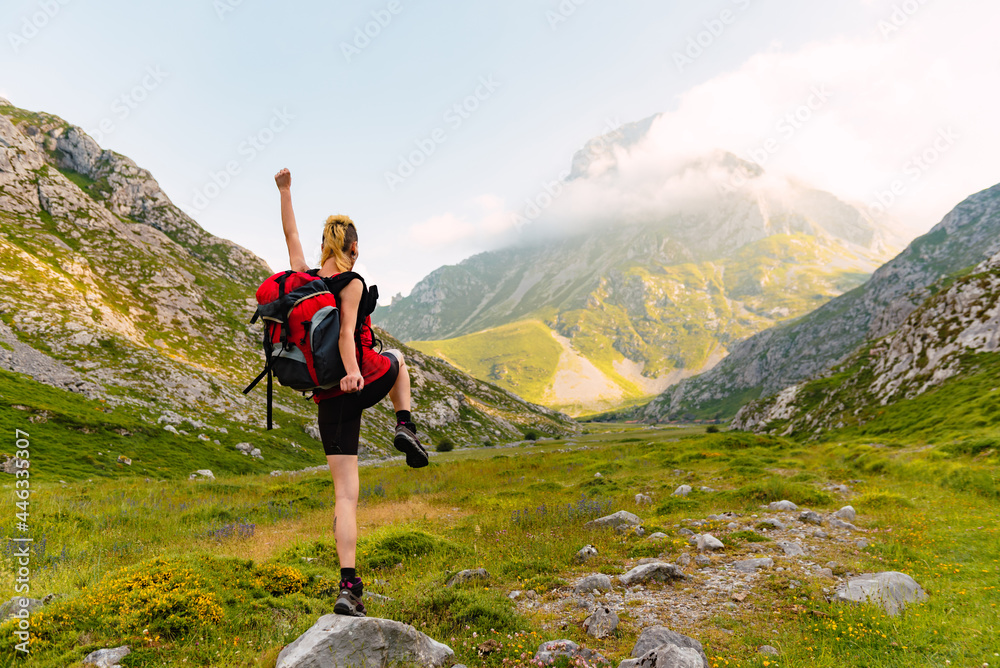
370	377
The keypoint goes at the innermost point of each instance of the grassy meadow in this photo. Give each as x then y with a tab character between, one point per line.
226	573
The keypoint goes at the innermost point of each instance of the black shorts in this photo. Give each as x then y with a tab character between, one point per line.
340	416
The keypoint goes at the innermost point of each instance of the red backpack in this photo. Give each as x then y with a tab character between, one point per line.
301	331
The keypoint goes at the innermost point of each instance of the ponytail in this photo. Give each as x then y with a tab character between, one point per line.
338	236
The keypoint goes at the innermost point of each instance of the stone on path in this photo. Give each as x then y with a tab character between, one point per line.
107	658
709	542
549	651
847	513
586	552
468	575
792	549
810	517
782	506
751	565
683	490
892	590
621	518
598	581
656	637
660	572
601	623
841	524
363	642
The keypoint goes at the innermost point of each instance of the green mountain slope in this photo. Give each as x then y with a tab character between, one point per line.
652	279
782	356
109	290
937	374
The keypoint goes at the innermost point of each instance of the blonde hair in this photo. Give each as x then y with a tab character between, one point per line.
338	235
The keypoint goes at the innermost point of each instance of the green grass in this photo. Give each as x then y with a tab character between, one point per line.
521	357
232	570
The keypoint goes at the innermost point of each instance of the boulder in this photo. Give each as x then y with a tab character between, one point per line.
841	524
659	535
469	575
657	636
585	553
772	525
782	506
683	490
549	651
892	590
810	517
643	500
107	658
363	642
751	565
667	656
847	513
768	649
708	542
792	549
659	571
122	459
598	582
14	606
621	518
202	474
601	623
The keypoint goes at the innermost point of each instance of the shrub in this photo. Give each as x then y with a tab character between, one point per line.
531	435
278	579
445	445
395	546
711	429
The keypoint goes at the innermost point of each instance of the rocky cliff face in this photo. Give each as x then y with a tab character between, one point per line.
785	355
937	341
108	289
636	306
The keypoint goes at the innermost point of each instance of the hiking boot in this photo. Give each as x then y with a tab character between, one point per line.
407	443
348	603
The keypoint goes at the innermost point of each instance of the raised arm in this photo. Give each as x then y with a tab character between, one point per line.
296	258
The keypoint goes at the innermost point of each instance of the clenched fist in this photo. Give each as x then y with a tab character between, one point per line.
283	179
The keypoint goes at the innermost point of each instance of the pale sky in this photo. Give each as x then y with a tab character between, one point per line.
193	88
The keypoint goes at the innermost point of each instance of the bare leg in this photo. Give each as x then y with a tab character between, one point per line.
344	469
400	392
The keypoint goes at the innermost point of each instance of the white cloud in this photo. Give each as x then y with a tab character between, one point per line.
889	99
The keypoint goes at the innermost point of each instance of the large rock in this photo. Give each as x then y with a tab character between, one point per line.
598	581
201	474
14	606
683	490
601	623
107	658
708	542
751	565
585	553
847	513
667	656
363	642
792	548
660	572
549	651
658	636
621	518
890	589
469	575
782	506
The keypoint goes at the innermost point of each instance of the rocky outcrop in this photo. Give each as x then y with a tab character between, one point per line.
932	345
786	355
891	590
363	642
